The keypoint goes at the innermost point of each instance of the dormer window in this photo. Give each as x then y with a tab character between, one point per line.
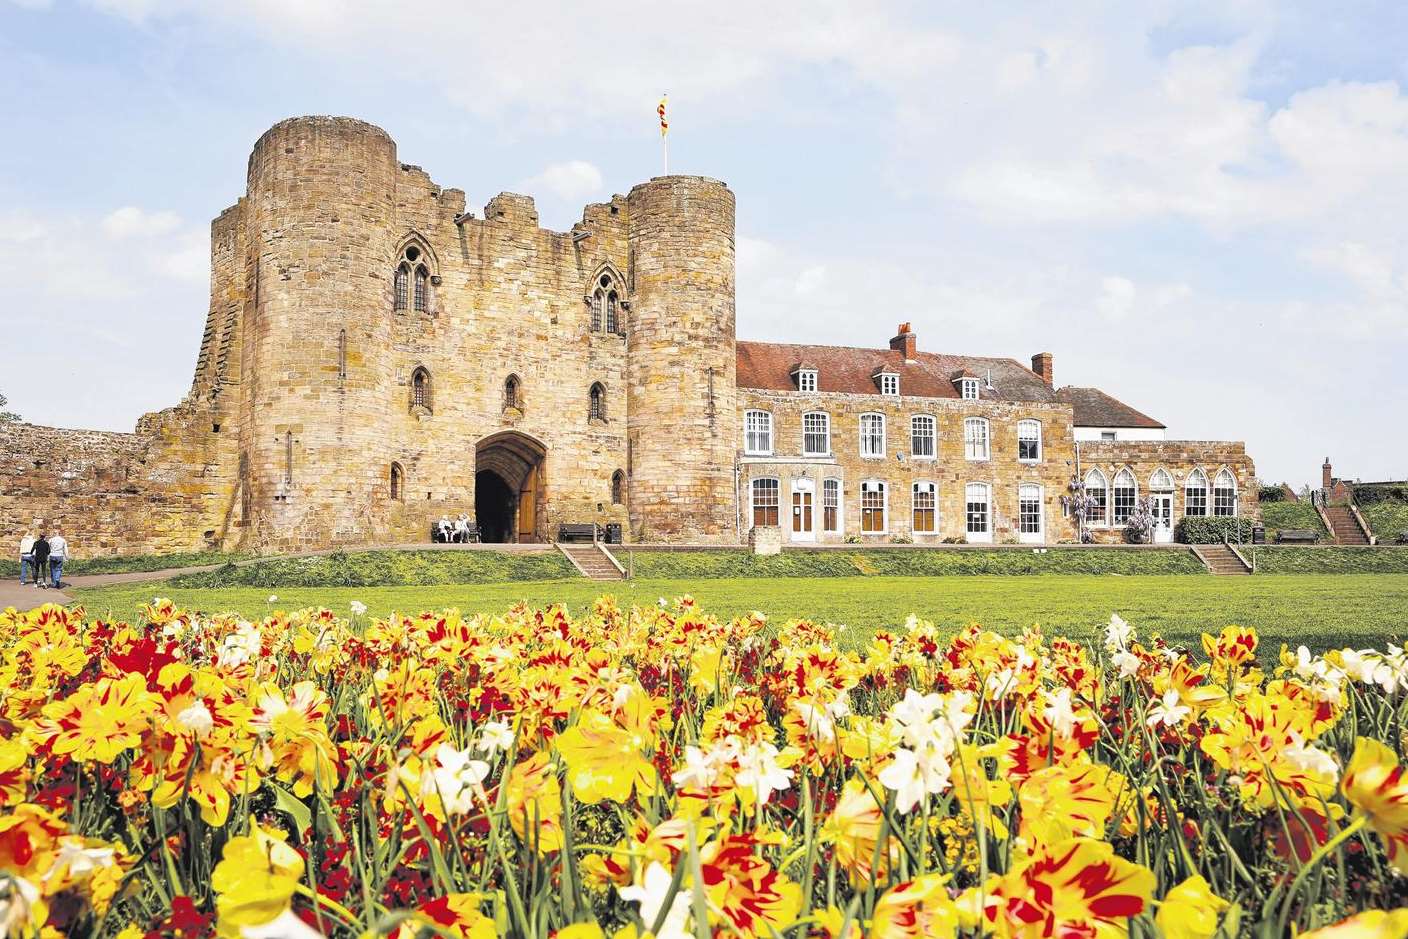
806	379
889	383
969	389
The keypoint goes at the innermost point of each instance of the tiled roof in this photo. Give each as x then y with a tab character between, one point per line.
768	366
1094	408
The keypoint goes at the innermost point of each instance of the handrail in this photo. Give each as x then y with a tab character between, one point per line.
1363	525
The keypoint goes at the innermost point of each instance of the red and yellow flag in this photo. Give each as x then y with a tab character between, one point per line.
664	124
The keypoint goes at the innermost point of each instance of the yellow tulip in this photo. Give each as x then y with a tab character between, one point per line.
1374	784
1373	924
1190	910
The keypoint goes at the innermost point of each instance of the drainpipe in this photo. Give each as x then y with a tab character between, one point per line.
1080	519
737	502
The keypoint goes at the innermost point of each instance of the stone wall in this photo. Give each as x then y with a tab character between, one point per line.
950	470
1179	458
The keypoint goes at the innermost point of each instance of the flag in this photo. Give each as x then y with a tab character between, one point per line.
664	124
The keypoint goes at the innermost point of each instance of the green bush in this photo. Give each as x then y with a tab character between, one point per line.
1206	529
1372	495
386	569
700	565
1265	494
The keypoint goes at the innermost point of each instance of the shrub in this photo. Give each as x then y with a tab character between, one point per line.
1205	529
1270	494
1369	495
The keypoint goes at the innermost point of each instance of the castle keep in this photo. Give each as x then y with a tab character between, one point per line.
375	356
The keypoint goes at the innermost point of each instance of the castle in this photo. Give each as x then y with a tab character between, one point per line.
375	357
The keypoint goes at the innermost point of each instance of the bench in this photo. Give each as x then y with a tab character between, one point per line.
1297	536
576	532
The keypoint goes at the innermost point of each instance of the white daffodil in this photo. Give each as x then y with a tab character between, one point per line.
359	608
1168	710
999	685
1118	634
495	736
1060	713
197	719
913	775
651	893
1310	759
758	770
454	778
1126	662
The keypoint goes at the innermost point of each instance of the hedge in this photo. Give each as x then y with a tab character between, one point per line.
685	565
1369	495
1207	529
386	569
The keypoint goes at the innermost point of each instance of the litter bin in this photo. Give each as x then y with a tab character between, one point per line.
1258	534
613	532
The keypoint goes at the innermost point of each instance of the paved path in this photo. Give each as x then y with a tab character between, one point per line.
28	596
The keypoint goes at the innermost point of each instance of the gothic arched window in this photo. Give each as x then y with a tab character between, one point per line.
512	398
414	278
596	402
397	482
403	274
606	305
421	396
618	485
422	276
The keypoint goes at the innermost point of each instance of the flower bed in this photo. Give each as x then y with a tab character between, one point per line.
658	772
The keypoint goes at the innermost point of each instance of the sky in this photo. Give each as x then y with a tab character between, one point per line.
1196	207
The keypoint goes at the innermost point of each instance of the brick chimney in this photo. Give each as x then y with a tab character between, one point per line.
1041	364
1327	480
905	342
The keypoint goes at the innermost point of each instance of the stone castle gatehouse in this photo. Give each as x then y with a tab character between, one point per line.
375	357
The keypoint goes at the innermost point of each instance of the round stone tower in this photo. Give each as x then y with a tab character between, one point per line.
681	422
316	385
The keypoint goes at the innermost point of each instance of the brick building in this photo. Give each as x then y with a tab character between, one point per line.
375	357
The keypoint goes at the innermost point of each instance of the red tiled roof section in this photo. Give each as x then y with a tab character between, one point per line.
768	366
1094	408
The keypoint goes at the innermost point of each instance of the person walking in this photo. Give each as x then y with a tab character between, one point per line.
41	559
26	555
58	554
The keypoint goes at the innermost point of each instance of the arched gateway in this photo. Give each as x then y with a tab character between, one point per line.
508	487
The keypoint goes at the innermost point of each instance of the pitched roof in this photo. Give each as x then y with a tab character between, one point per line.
1094	408
768	366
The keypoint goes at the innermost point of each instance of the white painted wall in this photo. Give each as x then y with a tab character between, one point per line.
1121	433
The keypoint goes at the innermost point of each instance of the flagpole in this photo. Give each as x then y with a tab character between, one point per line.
664	133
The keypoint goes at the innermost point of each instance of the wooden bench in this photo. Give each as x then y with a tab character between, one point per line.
576	532
1297	536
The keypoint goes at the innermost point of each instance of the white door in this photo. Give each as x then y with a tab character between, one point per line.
1031	522
1163	517
803	514
978	512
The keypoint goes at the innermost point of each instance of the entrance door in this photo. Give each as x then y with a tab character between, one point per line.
1031	524
1163	517
803	521
977	500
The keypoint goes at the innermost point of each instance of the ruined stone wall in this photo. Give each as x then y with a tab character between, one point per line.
1179	458
950	470
110	493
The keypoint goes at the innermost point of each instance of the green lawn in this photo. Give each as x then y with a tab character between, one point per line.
1320	611
1386	519
1281	515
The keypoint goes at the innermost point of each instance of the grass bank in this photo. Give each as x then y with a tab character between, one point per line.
384	569
1278	516
1386	519
129	563
1295	559
1320	611
668	565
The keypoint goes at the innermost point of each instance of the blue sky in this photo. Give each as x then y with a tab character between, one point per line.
1195	206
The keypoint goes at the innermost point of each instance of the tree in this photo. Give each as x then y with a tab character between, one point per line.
4	414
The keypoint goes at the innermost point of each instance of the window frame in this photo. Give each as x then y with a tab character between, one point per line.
1122	508
1217	498
915	490
1028	422
985	533
748	415
596	402
968	389
808	379
861	426
830	487
869	487
1104	488
933	437
968	442
1204	500
825	433
1040	529
755	505
890	384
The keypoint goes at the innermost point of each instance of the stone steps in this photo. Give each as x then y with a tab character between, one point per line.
1344	526
591	561
1220	560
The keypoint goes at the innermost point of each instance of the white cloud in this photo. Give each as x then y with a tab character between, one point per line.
132	222
571	181
810	281
1116	298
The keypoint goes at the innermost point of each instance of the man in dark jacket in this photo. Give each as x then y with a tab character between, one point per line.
41	559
